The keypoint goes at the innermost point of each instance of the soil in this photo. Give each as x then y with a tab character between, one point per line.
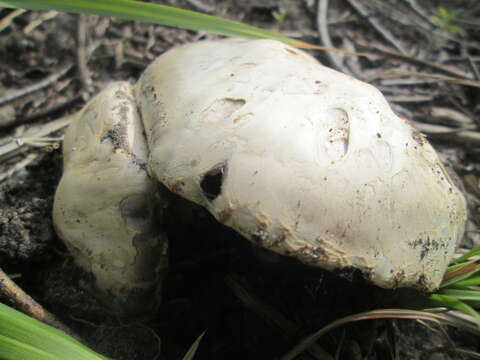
217	283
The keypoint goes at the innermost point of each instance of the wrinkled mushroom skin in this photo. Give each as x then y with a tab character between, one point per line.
307	162
298	158
104	204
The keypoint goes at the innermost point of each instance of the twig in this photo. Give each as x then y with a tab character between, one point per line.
322	27
393	75
415	7
461	136
409	99
288	329
48	81
43	17
7	20
83	71
29	306
18	166
42	113
474	67
362	10
444	69
14	147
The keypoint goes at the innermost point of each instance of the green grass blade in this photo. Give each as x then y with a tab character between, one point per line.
11	349
462	294
20	333
154	13
470	281
454	266
454	303
473	252
194	347
473	303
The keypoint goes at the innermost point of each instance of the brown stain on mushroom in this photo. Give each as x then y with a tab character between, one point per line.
290	51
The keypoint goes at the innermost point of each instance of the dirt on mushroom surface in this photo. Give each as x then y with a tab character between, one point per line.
211	266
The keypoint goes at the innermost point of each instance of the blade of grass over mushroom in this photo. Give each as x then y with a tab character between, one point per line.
158	14
22	337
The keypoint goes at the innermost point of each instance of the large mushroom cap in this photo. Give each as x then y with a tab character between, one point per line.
300	159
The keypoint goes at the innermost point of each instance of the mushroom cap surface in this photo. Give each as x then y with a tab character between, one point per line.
300	159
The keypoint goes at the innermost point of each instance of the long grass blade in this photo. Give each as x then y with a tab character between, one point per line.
155	13
473	252
194	347
470	281
21	334
462	294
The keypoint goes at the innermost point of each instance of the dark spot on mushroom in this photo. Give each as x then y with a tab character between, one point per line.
418	137
117	135
379	135
137	211
221	109
212	181
422	282
293	52
224	215
177	187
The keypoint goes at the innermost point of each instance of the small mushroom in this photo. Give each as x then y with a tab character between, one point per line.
298	158
104	206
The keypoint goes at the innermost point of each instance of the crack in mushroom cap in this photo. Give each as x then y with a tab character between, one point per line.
300	159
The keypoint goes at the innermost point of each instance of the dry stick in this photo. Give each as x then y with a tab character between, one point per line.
18	166
465	137
322	27
29	306
7	20
42	113
444	69
474	67
415	7
13	147
83	72
50	80
288	329
362	10
394	75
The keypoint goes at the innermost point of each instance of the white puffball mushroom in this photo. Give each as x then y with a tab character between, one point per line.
298	158
301	160
104	205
